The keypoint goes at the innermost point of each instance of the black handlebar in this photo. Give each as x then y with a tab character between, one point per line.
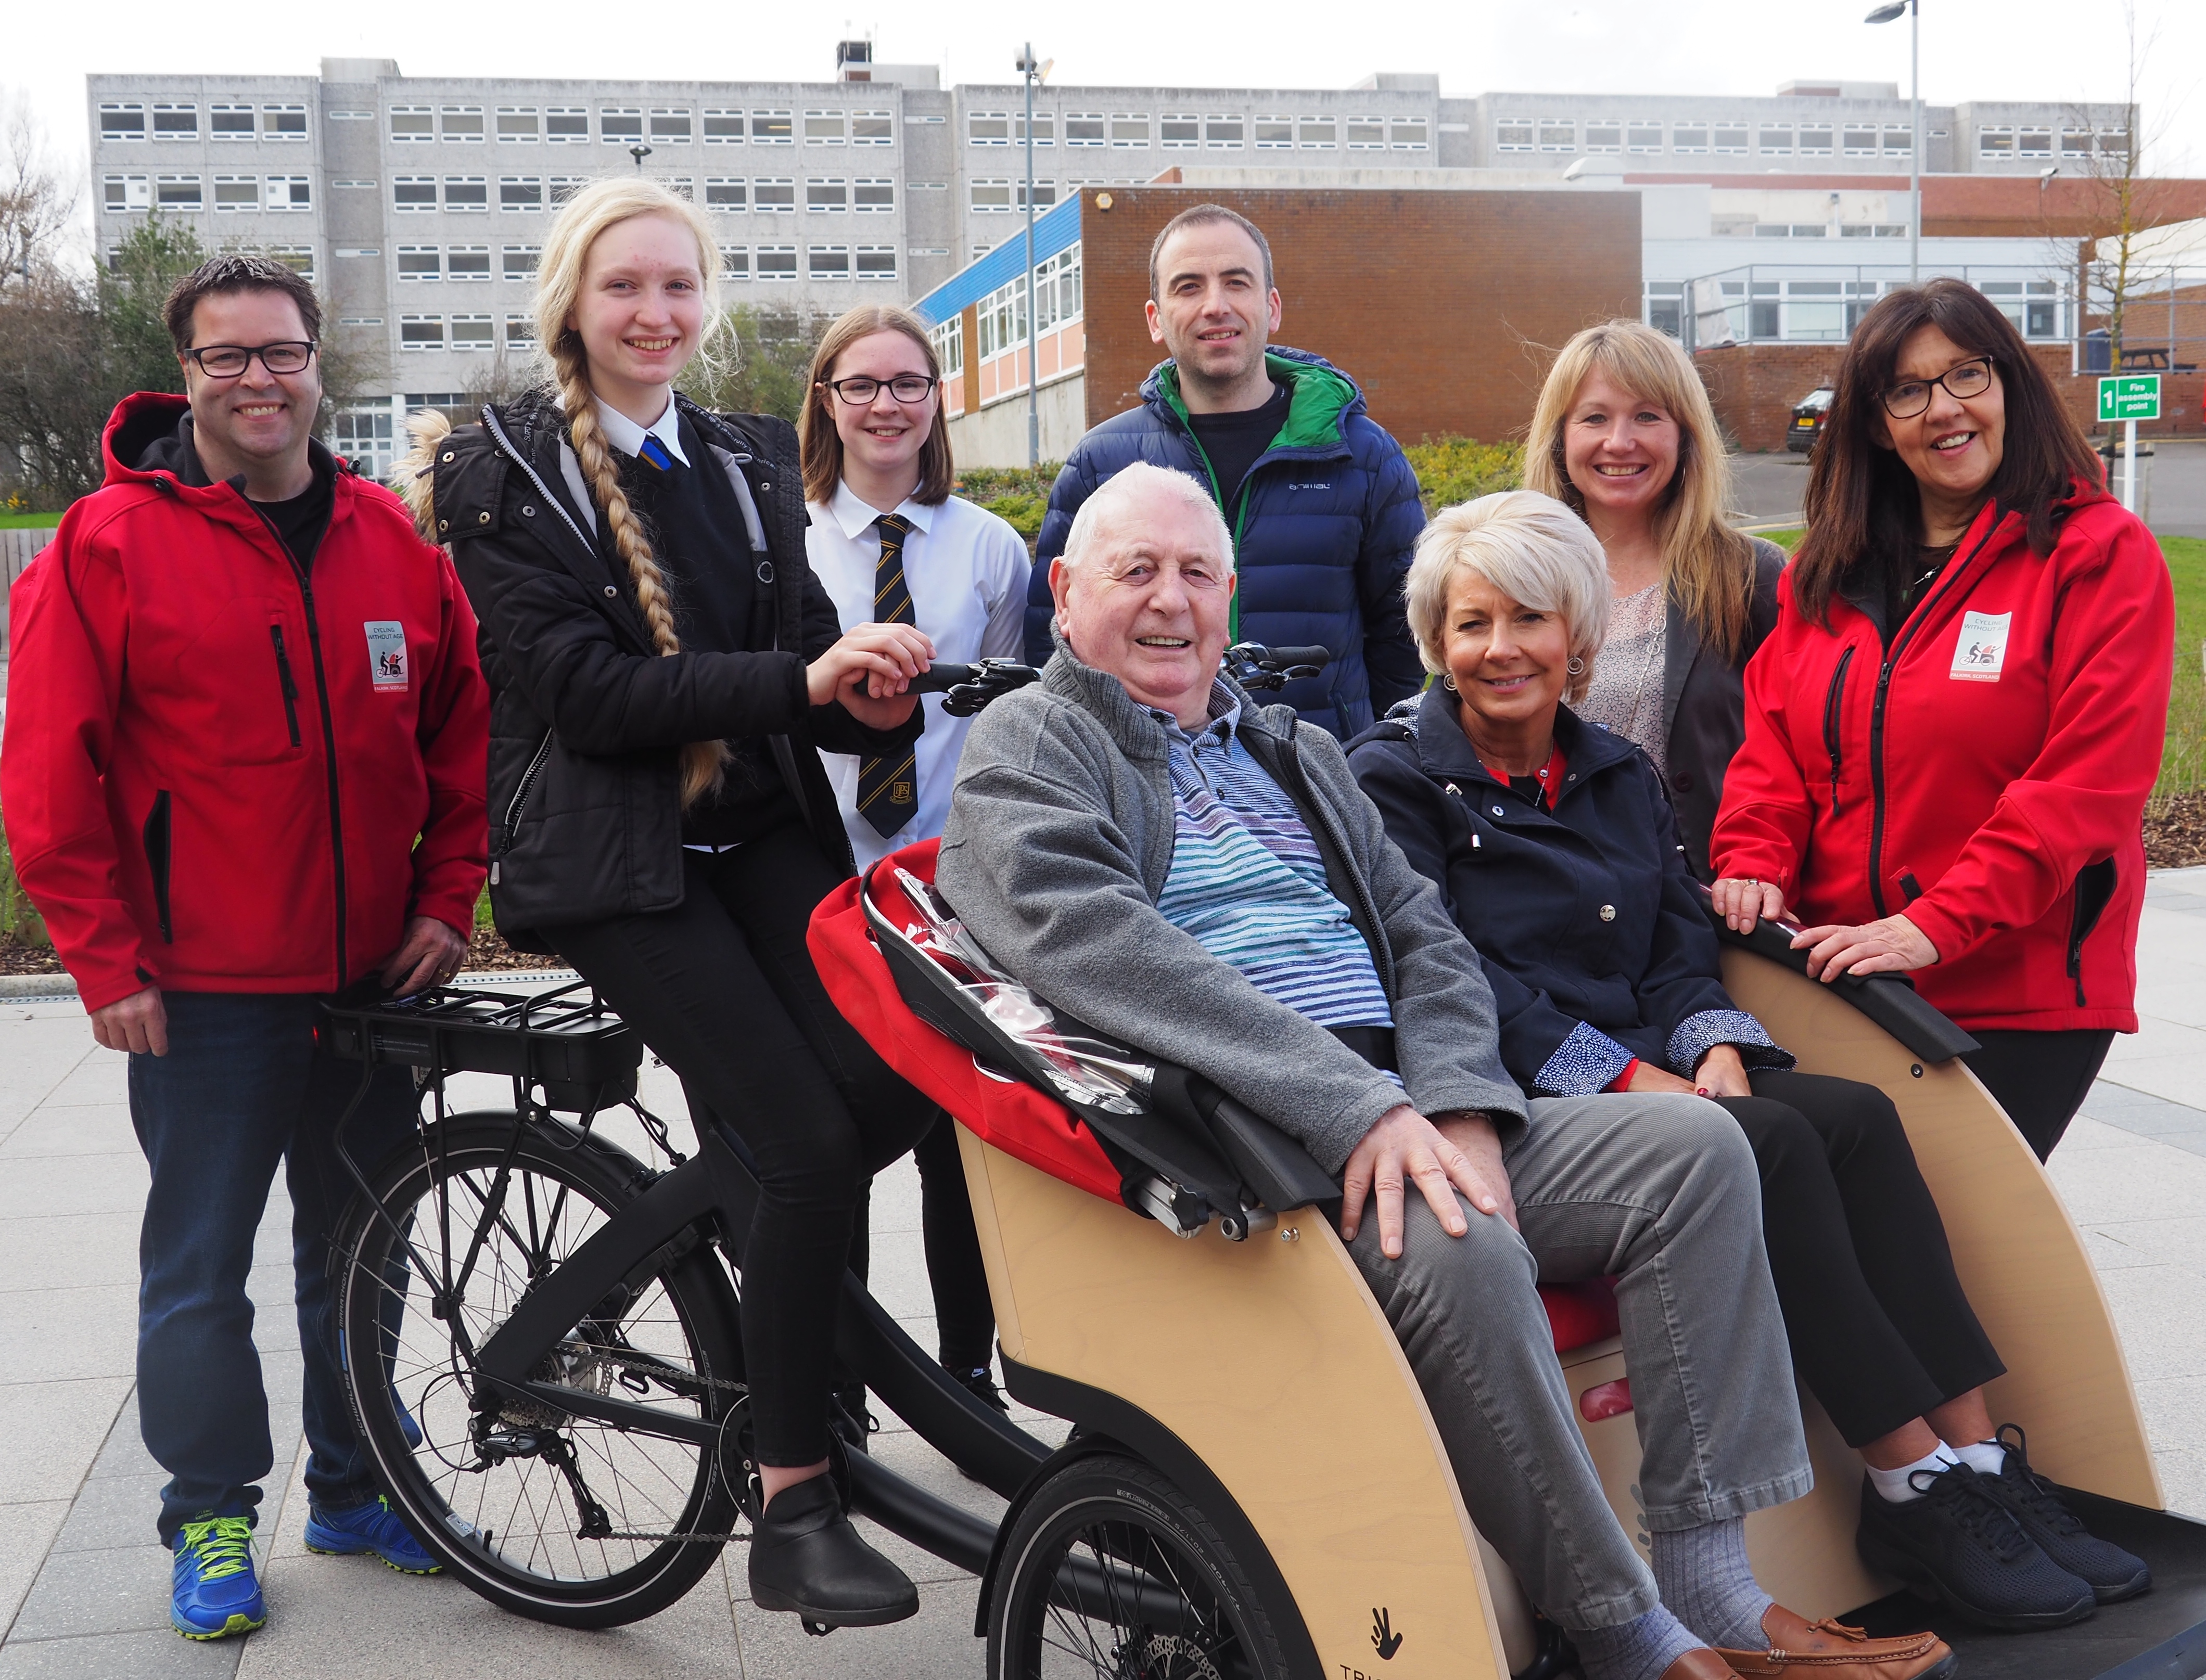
966	689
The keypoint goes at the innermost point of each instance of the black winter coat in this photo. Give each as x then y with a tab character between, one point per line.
587	719
1586	918
1704	706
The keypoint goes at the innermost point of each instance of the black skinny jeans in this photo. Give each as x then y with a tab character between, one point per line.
1880	1328
723	991
964	1317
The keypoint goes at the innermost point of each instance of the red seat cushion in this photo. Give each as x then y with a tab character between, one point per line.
1580	1314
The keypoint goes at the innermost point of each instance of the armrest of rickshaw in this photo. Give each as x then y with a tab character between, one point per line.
1276	1169
1889	1000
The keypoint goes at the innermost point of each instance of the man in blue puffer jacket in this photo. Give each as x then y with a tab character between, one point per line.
1322	505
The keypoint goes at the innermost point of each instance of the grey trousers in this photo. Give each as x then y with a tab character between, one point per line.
1661	1192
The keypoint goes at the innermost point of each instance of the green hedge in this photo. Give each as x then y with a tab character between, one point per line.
1452	469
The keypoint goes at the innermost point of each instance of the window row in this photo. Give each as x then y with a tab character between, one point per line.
766	263
521	193
122	193
1190	131
1825	230
990	196
298	257
2036	144
133	120
1829	311
1002	315
628	125
1734	138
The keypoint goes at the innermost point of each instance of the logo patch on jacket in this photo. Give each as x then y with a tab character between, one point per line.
1980	650
386	653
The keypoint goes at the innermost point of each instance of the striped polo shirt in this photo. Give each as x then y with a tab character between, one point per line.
1247	880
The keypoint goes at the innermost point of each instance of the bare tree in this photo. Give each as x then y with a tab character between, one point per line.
2122	201
36	202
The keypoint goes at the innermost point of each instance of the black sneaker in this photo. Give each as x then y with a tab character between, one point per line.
981	1385
1958	1543
2112	1573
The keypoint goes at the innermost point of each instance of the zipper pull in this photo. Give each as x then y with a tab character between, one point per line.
493	872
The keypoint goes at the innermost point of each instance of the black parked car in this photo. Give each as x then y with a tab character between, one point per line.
1808	414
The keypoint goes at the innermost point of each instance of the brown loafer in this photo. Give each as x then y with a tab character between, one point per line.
1833	1651
1700	1664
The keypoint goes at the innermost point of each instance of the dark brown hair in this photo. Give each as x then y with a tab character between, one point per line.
819	446
1863	508
1196	217
234	273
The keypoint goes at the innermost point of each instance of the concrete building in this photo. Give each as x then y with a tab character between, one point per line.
418	204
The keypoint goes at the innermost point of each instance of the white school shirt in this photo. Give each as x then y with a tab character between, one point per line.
967	571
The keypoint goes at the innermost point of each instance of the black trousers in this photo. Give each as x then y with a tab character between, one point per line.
964	1317
1880	1329
723	991
2041	1079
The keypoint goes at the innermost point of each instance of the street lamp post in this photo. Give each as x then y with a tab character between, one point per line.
1886	13
1030	71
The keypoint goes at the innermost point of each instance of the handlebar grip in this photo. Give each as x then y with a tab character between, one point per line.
941	677
1302	656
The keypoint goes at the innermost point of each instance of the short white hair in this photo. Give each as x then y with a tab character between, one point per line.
1532	549
1128	493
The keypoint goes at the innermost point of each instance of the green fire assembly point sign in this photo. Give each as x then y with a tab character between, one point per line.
2129	397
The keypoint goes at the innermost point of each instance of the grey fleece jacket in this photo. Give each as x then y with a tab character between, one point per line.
1059	839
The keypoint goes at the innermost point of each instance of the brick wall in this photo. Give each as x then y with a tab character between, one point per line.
1445	307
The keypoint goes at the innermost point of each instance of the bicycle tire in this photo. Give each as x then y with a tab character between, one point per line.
508	1529
1173	1602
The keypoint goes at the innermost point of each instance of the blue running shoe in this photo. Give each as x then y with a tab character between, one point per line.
371	1528
217	1591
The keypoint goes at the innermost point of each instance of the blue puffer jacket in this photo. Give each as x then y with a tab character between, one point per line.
1323	527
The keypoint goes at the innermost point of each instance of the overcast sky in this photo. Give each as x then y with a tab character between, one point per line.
2057	50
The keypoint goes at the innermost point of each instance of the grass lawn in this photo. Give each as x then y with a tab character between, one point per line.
28	521
2183	766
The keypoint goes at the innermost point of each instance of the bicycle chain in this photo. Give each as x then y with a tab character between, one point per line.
614	1356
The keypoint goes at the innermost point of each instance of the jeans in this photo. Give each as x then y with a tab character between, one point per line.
1659	1192
1881	1327
240	1090
723	990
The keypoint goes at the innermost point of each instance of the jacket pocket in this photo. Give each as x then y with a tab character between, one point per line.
1834	705
285	682
2094	891
156	839
509	829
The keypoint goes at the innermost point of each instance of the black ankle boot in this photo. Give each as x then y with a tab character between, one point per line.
806	1556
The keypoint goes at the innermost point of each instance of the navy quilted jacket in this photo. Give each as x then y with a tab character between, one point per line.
1323	527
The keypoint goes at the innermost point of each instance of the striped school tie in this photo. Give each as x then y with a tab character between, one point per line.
888	787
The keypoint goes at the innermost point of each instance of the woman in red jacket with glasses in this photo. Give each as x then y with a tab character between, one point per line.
1950	734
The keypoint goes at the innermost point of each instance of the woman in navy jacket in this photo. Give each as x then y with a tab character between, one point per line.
1555	849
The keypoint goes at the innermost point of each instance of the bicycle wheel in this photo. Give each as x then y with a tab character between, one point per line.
1111	1572
517	1502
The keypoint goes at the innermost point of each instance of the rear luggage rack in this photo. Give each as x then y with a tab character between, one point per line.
566	1041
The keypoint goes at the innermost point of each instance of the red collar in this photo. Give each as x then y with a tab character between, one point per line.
1549	776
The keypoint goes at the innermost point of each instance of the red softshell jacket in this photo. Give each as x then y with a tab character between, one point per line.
1987	775
221	774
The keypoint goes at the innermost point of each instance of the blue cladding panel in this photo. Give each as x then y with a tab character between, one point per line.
1057	231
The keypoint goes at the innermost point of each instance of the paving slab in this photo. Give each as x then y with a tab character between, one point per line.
27	1530
54	1432
140	1656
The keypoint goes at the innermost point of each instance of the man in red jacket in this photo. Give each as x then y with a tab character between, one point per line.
243	770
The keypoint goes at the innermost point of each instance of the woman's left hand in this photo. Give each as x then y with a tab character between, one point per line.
1893	945
1722	1073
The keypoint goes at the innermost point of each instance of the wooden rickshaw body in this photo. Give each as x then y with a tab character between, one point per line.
1269	1360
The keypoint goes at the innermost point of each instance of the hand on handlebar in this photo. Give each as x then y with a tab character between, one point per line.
1741	902
869	670
1893	945
1403	1145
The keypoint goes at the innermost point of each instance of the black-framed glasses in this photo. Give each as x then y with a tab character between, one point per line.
228	361
905	388
1911	396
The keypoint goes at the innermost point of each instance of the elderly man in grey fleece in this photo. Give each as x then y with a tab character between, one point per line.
1157	855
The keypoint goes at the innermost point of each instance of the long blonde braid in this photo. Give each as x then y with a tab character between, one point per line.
704	763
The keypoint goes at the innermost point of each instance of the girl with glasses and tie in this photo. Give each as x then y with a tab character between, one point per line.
1952	731
892	545
665	669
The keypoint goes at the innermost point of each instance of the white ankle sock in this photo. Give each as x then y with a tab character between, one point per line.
1897	1486
1986	1458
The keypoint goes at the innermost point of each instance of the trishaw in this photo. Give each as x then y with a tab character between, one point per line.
541	1342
